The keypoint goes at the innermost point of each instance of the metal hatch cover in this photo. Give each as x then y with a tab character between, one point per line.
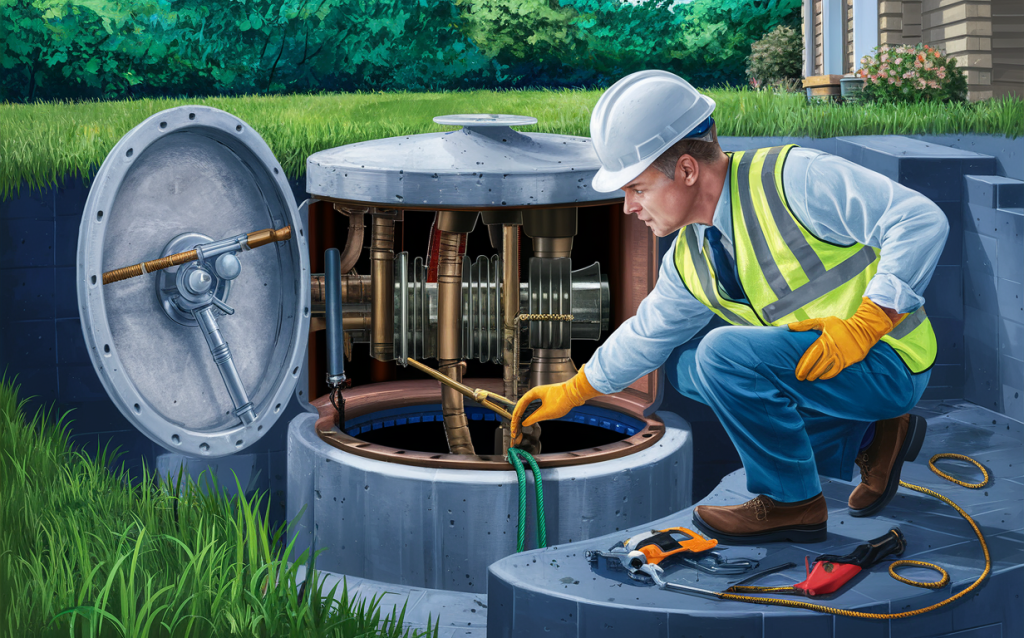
186	176
484	165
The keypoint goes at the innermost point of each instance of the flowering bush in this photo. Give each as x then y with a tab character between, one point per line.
776	58
912	74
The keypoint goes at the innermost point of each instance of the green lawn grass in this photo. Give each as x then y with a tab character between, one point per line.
85	551
40	143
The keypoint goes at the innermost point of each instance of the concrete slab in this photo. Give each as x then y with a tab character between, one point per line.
935	533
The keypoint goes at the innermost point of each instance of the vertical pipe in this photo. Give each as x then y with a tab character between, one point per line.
552	233
333	312
509	311
449	331
382	276
354	239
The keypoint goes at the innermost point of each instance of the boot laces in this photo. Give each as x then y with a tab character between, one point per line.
865	466
761	508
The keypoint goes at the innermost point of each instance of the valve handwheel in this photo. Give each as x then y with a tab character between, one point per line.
198	278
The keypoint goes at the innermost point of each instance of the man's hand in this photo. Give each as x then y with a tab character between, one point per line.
556	401
843	343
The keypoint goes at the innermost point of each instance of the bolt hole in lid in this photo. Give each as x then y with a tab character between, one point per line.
192	174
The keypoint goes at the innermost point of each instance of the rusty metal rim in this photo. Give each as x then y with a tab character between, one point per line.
377	396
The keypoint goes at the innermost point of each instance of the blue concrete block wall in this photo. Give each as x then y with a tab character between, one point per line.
993	210
939	173
41	337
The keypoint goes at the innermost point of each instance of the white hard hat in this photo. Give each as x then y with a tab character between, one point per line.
638	118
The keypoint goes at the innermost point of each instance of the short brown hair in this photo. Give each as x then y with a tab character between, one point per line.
703	152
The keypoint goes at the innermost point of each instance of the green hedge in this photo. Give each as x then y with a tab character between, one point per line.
111	49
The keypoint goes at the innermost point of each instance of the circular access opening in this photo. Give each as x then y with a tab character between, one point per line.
421	429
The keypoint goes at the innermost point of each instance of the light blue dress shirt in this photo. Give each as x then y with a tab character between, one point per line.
838	201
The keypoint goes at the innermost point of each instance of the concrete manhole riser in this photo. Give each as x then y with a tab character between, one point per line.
441	528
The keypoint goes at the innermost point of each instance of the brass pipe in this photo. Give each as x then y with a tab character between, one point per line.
449	342
354	239
355	321
509	311
354	289
382	278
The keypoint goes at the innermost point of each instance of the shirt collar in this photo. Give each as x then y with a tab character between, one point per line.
720	219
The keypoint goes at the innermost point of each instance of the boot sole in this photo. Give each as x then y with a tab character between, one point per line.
908	452
795	534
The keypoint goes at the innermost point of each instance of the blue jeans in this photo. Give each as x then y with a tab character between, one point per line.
788	431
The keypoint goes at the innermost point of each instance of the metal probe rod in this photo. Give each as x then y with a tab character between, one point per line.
482	397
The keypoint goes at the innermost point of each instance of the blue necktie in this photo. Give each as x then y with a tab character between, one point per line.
725	267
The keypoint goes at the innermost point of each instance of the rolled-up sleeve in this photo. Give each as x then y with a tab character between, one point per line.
667	317
842	202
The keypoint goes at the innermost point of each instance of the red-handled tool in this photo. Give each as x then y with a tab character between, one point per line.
831	572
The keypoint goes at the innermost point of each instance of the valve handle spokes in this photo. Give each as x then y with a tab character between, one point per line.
222	356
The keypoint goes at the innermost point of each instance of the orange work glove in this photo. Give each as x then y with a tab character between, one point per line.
842	343
556	401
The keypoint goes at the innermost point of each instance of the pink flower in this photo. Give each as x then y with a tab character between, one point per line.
918	65
933	84
899	60
882	74
899	82
884	58
942	72
921	84
892	80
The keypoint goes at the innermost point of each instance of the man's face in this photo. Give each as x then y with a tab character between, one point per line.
663	204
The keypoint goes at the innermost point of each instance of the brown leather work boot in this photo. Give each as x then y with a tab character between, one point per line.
763	520
896	440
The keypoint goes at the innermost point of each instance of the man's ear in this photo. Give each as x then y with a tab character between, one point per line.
688	168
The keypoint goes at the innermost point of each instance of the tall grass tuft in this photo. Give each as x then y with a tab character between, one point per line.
44	142
87	551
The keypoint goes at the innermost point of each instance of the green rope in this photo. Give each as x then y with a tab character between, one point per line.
542	533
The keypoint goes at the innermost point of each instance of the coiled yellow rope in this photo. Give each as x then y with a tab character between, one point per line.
727	595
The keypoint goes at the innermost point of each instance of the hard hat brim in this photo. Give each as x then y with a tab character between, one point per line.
606	181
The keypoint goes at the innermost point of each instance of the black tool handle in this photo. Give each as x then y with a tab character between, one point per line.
868	554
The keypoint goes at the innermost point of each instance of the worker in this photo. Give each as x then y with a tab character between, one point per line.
817	264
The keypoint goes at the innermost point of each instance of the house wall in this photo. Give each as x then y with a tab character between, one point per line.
985	37
963	30
1007	48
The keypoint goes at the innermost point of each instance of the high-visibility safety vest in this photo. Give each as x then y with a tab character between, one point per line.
787	274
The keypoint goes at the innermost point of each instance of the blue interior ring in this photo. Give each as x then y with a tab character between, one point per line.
587	414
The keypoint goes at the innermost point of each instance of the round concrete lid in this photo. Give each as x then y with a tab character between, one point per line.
190	175
484	165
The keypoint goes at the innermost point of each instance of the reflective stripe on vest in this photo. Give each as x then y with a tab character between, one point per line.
786	272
